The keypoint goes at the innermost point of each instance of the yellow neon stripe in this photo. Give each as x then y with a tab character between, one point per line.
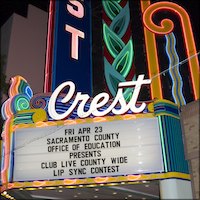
167	26
39	114
152	57
93	182
166	102
87	120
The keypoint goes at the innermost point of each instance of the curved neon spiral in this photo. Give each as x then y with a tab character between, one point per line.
166	26
20	94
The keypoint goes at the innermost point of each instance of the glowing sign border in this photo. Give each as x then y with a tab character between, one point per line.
166	26
15	118
87	181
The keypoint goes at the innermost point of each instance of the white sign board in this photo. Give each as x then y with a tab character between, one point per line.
88	150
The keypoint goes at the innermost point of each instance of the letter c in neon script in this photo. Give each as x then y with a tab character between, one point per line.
98	101
52	101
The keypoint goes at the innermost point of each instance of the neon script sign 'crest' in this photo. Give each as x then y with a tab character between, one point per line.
98	101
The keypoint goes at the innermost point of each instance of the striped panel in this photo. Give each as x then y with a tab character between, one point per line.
172	145
165	107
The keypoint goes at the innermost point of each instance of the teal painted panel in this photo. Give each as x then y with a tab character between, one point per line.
173	144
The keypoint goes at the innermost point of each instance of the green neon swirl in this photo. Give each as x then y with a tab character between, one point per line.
122	53
112	41
123	61
112	8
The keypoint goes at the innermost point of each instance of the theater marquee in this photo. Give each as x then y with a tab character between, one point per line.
114	148
41	151
69	139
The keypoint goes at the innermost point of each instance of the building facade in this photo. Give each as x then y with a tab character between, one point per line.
123	40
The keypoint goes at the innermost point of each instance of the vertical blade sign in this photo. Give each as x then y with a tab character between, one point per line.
71	56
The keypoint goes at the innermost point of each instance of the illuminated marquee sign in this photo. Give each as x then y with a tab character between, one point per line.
98	101
88	150
40	152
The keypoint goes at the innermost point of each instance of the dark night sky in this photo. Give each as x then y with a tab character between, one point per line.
193	9
8	7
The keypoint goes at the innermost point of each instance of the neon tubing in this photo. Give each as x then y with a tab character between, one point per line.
152	57
166	26
48	66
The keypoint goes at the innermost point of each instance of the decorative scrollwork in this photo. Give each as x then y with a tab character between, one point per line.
40	101
20	94
118	50
166	27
